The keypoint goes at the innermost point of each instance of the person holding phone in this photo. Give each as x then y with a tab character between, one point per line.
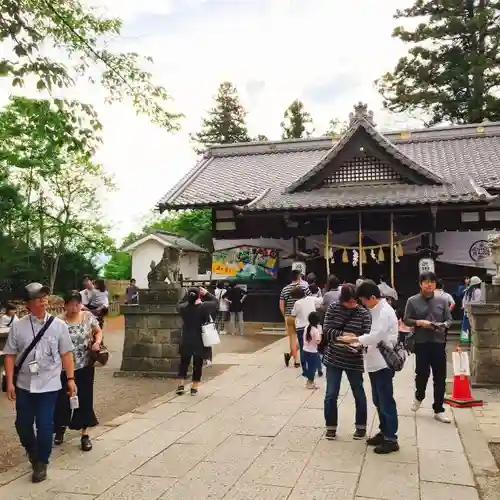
430	316
37	348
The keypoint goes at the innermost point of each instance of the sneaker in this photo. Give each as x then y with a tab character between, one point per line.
331	434
194	391
359	434
416	405
207	362
287	358
375	440
180	390
296	365
86	443
386	447
39	472
441	417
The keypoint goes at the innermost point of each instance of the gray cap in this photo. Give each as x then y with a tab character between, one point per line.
35	291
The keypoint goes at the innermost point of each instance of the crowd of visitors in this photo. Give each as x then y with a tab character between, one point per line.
356	328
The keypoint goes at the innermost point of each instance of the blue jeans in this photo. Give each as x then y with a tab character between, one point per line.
300	340
38	409
312	363
333	380
383	399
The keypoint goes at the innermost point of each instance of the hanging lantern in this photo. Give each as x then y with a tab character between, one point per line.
364	259
355	258
400	249
396	257
345	257
381	256
373	256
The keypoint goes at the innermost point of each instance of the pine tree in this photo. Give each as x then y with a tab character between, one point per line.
452	71
225	123
297	122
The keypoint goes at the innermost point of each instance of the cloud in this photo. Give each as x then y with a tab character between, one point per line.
328	53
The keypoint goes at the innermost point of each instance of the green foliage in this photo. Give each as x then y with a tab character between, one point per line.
119	267
336	128
297	122
225	123
81	33
260	137
452	71
53	208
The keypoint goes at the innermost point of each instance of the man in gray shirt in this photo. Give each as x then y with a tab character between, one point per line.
39	377
430	316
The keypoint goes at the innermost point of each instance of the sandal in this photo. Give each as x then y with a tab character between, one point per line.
86	443
180	390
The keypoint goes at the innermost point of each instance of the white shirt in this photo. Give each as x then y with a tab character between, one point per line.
5	321
384	328
312	345
303	307
223	303
86	296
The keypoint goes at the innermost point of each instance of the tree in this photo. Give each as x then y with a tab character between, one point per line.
260	137
336	128
452	71
297	122
119	267
225	123
81	33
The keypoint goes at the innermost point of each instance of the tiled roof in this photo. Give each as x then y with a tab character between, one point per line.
178	241
465	158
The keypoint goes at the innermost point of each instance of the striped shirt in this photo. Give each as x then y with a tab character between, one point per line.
286	295
340	319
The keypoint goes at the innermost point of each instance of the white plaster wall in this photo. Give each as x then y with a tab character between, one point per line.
152	250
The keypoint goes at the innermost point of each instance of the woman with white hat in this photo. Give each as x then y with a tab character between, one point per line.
472	296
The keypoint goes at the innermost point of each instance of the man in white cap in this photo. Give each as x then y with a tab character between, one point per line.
37	348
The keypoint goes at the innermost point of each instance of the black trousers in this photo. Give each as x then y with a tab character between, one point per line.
197	366
431	356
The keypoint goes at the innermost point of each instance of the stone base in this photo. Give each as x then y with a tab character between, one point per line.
139	374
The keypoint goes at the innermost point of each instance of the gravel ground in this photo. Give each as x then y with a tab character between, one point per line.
115	396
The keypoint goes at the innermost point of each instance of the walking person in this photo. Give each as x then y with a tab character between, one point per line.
430	317
37	347
384	328
99	302
301	310
222	312
132	293
194	313
88	290
311	339
287	301
235	297
85	335
345	317
332	292
472	295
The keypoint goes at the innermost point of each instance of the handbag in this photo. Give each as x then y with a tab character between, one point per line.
19	363
101	356
209	333
324	341
395	357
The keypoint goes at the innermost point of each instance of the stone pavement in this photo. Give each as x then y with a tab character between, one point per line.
255	432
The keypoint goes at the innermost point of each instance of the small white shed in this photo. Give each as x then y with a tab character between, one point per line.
151	246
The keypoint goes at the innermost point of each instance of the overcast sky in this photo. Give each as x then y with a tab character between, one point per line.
325	52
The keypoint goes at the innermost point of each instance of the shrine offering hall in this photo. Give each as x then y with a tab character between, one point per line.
368	203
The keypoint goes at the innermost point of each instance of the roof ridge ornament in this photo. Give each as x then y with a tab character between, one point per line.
361	113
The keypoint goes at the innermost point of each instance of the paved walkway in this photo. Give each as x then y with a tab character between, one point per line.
255	432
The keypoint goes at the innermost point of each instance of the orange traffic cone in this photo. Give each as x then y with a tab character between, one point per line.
461	396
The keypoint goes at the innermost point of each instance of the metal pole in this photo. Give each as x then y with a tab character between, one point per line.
391	242
360	238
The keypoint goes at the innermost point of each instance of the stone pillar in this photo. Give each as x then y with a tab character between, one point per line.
152	334
485	330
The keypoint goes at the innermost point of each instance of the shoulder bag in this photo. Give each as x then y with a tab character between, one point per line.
209	333
26	352
102	355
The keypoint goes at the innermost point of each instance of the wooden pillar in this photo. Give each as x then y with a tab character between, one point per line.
391	243
327	247
360	239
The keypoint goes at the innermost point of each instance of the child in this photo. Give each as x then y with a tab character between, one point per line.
9	317
312	338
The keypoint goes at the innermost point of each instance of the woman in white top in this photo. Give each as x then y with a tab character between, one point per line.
304	306
99	302
222	312
471	296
